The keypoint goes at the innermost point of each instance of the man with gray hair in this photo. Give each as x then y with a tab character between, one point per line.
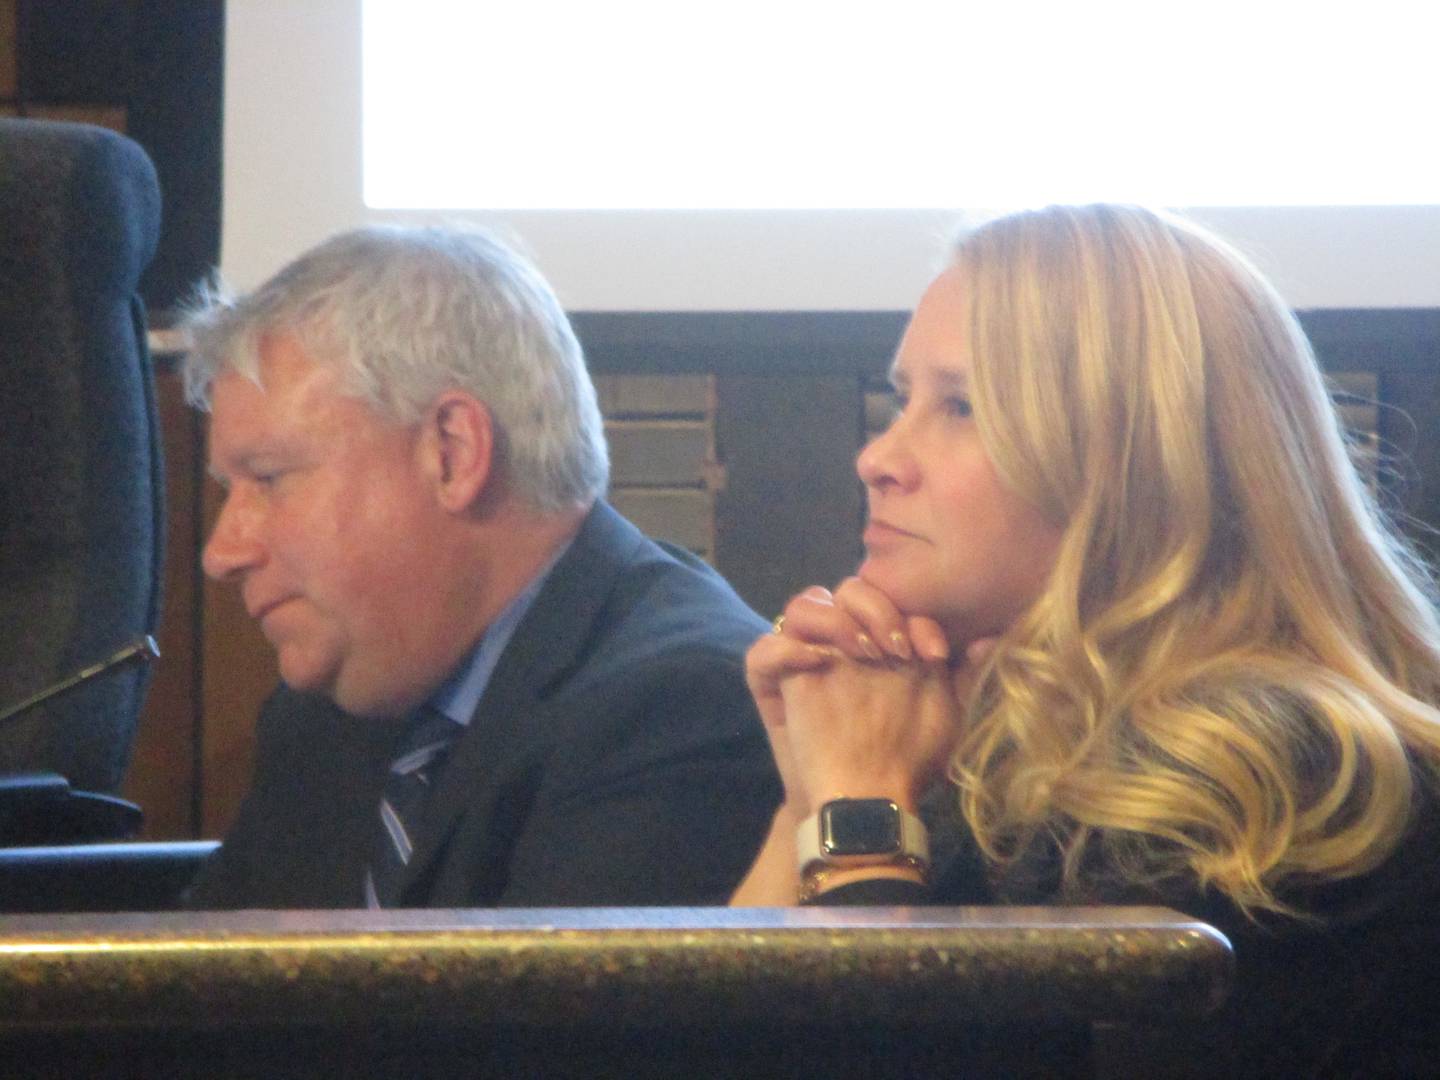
495	690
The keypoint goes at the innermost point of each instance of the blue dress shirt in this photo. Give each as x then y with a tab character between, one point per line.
460	694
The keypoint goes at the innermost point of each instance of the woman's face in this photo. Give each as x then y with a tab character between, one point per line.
946	538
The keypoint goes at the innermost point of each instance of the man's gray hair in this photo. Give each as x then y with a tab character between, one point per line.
405	314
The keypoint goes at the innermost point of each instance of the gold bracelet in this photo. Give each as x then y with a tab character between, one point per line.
816	878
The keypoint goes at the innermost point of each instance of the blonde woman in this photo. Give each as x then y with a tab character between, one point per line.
1129	629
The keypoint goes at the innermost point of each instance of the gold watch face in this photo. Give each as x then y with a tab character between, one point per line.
859	827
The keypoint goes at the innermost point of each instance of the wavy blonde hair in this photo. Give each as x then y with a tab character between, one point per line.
1231	675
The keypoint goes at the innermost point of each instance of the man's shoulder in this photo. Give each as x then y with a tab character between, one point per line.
644	588
667	599
625	623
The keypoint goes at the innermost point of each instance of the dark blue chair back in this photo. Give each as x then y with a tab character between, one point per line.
81	482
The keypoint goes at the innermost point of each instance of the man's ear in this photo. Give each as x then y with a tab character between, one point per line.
459	441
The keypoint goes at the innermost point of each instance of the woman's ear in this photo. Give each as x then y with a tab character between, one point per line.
459	442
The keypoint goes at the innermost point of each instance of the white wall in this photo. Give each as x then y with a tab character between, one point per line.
292	148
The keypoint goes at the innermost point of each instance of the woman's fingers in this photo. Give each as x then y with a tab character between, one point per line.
979	650
814	617
927	639
772	658
878	619
977	653
861	622
858	620
770	662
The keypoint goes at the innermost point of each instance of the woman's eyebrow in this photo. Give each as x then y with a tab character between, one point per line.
951	378
942	378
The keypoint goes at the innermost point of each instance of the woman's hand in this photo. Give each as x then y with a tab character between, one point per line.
846	716
861	622
858	729
771	660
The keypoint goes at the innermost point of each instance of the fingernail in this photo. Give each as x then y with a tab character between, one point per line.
900	645
868	647
937	652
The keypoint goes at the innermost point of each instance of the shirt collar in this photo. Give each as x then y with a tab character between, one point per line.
460	695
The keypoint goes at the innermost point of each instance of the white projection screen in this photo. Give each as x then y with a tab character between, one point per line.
799	155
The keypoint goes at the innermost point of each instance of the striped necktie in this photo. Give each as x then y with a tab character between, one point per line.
412	774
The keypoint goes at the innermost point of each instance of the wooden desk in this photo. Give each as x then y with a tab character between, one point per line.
595	992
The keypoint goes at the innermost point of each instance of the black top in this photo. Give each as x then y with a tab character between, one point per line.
1351	990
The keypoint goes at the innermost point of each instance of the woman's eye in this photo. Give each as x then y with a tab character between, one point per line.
895	405
956	405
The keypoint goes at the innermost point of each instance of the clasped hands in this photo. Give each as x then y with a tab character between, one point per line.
858	699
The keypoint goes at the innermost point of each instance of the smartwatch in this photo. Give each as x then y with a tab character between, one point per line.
859	832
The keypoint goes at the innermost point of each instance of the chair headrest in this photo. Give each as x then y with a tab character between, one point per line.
83	195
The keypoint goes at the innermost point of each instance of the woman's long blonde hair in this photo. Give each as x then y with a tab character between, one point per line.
1231	676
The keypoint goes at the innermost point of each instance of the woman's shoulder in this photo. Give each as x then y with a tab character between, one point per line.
1347	986
1405	886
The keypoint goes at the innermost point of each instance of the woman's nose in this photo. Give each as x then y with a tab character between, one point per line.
886	460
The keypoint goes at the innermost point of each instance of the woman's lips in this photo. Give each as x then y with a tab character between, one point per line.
880	532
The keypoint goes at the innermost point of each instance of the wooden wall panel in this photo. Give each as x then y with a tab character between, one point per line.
791	512
661	433
106	116
9	73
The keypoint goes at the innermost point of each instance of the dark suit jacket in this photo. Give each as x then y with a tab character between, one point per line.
615	758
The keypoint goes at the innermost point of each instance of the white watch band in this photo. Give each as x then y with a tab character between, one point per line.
914	845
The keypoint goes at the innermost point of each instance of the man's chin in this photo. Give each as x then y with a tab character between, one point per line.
357	688
304	675
369	699
350	700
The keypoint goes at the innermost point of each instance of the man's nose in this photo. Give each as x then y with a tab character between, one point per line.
234	545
